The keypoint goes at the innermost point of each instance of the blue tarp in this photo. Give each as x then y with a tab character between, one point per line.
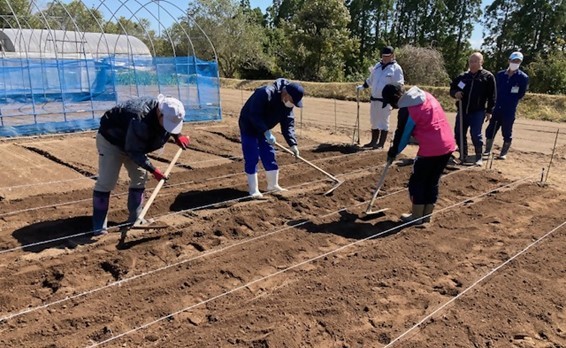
39	96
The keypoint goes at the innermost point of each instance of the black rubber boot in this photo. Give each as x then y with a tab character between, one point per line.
374	138
504	150
382	139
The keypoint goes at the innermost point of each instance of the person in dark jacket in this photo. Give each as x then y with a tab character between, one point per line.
127	133
512	84
475	89
268	106
420	115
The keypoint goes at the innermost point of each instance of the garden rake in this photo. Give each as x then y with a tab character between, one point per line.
369	211
142	224
337	181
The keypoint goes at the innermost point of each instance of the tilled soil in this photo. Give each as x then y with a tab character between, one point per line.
299	269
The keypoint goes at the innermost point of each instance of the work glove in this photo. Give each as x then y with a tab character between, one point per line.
182	140
359	87
295	150
269	137
158	175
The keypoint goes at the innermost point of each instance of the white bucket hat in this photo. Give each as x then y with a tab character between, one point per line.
173	113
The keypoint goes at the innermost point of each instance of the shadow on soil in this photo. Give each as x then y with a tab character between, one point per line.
197	199
125	245
355	226
41	234
341	148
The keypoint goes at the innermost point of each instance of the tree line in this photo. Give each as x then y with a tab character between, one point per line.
335	40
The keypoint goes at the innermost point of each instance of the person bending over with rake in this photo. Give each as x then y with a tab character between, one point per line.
127	133
268	106
421	115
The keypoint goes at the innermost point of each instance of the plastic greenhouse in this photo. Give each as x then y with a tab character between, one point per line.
60	78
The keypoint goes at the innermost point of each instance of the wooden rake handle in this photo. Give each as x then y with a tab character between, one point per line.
157	188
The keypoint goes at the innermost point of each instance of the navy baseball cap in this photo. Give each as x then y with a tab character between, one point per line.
387	50
296	91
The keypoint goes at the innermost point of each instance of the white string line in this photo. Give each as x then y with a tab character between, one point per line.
200	126
128	224
211	205
9	188
202	255
205	254
42	136
302	262
168	186
322	159
475	283
95	176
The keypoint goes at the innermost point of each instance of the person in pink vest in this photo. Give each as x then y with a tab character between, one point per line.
421	116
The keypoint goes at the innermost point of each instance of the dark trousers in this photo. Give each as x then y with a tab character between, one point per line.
503	121
423	184
473	121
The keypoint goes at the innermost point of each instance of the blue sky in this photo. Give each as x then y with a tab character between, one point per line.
172	9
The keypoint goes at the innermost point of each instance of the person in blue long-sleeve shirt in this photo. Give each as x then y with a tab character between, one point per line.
268	106
512	84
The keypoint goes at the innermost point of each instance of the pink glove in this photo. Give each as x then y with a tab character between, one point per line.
183	141
158	175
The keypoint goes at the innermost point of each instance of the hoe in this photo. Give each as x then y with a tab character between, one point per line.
337	181
369	211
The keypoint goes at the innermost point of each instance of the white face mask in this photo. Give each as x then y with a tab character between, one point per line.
289	104
514	66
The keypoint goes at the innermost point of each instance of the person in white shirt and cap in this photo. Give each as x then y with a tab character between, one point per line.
387	71
512	84
127	133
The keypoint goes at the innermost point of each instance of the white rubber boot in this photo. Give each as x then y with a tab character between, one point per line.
273	181
252	186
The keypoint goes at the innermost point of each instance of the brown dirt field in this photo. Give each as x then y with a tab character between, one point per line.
296	270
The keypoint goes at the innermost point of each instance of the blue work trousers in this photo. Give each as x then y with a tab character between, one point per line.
254	148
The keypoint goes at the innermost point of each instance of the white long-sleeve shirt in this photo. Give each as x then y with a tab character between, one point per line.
382	75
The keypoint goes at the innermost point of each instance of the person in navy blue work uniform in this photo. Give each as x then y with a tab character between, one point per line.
512	85
268	106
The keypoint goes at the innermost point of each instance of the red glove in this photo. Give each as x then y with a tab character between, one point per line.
158	175
183	141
